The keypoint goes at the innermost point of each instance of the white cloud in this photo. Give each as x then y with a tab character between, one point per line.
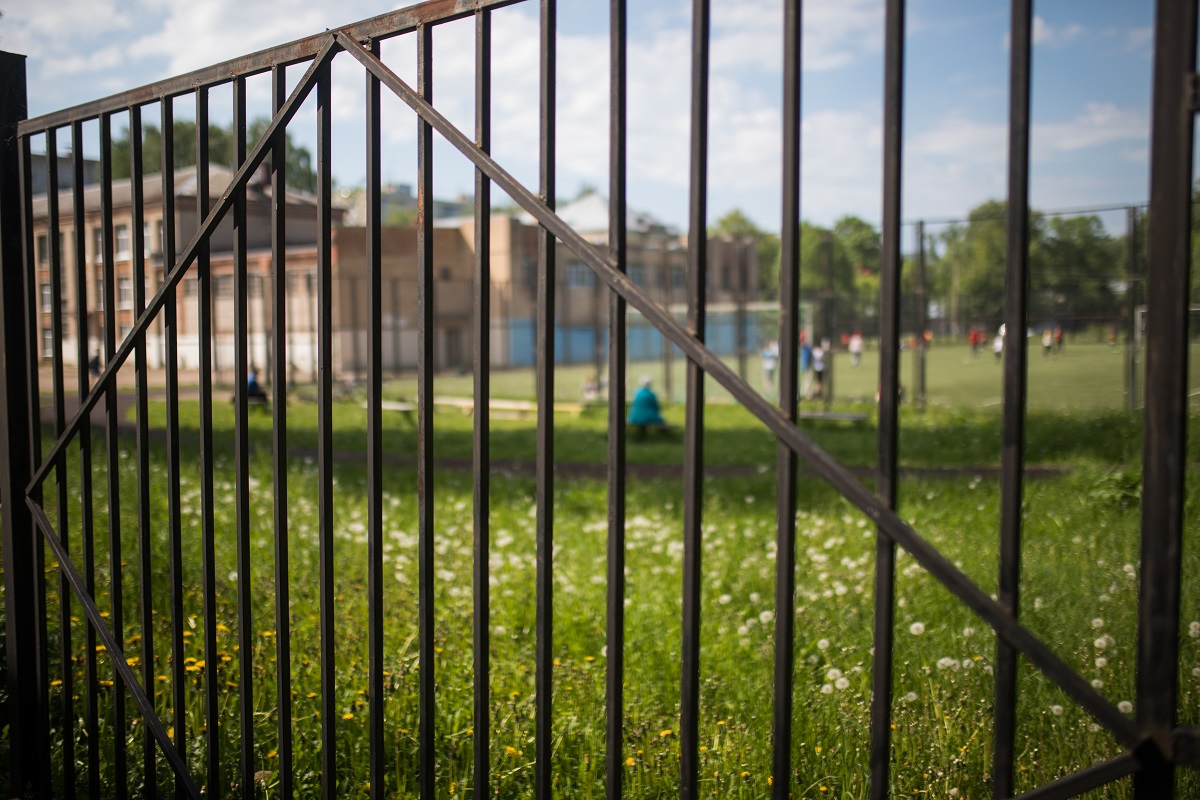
836	33
1047	35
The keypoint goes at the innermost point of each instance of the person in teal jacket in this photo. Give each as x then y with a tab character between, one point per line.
644	411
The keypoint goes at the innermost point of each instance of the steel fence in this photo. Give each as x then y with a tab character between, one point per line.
1154	745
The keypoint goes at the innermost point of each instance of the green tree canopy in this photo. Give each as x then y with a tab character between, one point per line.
300	173
736	225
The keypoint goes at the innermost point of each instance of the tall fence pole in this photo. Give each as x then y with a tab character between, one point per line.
25	669
919	352
1164	455
1131	338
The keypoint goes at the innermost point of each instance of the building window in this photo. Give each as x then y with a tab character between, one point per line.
190	287
122	241
43	249
124	292
100	288
444	274
97	245
254	285
47	342
579	276
637	273
223	286
47	298
529	272
677	281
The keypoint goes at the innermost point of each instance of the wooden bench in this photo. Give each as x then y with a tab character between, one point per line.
639	431
399	406
834	416
506	409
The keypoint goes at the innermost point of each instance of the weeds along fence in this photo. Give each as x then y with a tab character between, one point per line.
59	736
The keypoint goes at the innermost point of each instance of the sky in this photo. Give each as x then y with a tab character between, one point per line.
1091	95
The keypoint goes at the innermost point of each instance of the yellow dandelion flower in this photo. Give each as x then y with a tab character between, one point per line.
589	659
348	715
819	748
56	682
629	762
745	775
272	754
512	751
665	732
221	627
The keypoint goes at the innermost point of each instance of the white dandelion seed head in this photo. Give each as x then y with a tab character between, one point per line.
1037	604
743	630
1100	643
822	644
1056	710
765	617
1194	629
725	599
842	683
1196	672
968	663
1101	662
917	628
1097	683
953	792
754	597
827	689
1125	707
833	674
968	632
911	697
1097	623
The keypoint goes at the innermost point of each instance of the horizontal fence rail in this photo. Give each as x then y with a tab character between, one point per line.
127	705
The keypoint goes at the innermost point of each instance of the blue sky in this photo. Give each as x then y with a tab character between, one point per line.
1092	79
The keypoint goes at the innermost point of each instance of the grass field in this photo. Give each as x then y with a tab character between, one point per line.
1082	523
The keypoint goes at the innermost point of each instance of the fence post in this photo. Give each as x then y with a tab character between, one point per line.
26	695
1164	459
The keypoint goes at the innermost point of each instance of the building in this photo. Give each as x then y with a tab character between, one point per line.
656	259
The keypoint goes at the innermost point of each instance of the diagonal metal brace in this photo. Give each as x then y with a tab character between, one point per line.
79	589
828	468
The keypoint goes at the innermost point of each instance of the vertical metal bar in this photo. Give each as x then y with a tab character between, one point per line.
425	367
1133	245
921	351
544	621
889	396
208	498
171	381
1012	467
789	396
241	445
693	463
325	432
482	450
279	447
1164	448
86	512
66	665
145	546
113	455
375	688
27	733
617	351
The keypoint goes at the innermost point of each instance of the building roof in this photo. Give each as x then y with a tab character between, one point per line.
219	177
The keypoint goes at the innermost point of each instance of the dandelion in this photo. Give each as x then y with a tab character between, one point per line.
665	732
917	628
1194	629
745	775
953	792
833	674
1056	710
629	762
766	616
1100	643
822	644
842	683
827	689
968	632
1125	707
1097	683
1196	672
510	750
911	697
348	715
725	599
1097	623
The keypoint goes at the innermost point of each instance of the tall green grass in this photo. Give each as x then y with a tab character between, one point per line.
1079	592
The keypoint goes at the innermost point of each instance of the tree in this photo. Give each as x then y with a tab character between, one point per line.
1078	269
736	225
300	173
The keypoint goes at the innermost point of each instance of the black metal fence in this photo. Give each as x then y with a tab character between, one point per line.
1154	745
